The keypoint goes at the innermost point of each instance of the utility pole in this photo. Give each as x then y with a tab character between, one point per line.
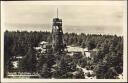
57	12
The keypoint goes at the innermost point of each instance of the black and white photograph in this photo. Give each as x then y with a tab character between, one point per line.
63	40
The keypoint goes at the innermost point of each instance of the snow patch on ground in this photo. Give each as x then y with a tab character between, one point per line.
120	76
86	72
15	64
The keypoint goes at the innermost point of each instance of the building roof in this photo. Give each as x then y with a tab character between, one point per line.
37	48
85	49
43	42
74	49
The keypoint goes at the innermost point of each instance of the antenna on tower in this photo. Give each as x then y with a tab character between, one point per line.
57	12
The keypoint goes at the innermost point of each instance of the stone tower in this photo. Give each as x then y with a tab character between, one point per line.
57	36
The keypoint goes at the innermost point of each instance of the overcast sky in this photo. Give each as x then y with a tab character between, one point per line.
89	17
